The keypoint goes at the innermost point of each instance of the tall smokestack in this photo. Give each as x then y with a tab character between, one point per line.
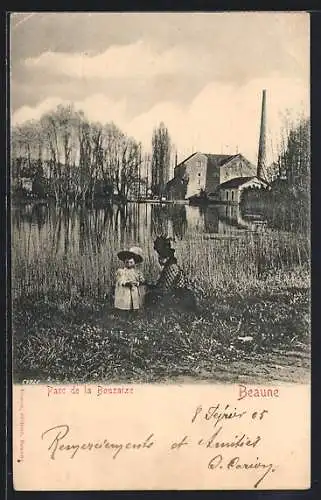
262	144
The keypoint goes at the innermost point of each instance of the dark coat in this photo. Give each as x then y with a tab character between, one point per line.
171	289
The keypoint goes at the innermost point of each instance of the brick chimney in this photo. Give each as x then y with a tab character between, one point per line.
262	144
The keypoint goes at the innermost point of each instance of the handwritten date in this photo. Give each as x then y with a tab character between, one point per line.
217	413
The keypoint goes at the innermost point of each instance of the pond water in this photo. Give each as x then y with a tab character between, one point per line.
84	230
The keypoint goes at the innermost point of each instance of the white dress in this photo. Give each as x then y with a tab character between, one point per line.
129	298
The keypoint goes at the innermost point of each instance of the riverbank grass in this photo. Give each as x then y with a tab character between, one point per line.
79	339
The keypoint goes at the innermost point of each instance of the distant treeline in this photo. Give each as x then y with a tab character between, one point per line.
69	158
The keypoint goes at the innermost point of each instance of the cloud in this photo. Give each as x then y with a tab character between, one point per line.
180	68
226	118
96	107
100	108
227	47
220	118
136	60
227	56
26	113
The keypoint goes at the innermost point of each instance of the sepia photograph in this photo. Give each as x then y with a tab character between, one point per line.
160	198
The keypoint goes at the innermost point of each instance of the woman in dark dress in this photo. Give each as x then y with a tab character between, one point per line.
171	288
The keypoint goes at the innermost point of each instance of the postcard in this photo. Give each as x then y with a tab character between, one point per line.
160	241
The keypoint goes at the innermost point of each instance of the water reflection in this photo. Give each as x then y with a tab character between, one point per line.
90	231
169	219
32	213
211	220
234	216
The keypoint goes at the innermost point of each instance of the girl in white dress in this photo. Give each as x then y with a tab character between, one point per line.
129	288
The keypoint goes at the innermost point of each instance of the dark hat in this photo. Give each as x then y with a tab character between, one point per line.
167	252
162	244
135	253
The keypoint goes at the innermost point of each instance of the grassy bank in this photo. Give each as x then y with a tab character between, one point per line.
253	313
263	329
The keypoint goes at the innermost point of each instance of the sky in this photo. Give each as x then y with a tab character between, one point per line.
202	74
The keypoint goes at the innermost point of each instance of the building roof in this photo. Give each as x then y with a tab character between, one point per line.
214	160
219	160
239	181
174	182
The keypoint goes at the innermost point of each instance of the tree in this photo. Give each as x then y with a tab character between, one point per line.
77	154
60	129
295	158
161	148
27	144
121	159
84	171
288	201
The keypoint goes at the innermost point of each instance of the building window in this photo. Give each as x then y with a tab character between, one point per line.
232	195
227	195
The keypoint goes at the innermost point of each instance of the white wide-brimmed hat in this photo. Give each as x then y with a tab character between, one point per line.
135	253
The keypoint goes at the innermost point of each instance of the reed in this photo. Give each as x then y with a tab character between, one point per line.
212	266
